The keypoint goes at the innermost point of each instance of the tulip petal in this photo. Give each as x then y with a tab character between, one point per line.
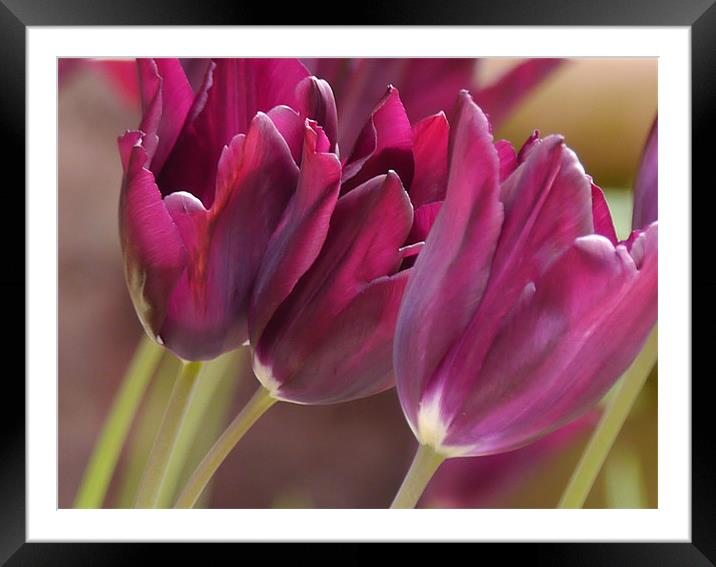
237	90
166	99
386	142
423	221
430	151
154	254
291	126
587	320
602	217
315	101
528	146
508	158
452	270
355	358
646	187
367	229
126	144
299	237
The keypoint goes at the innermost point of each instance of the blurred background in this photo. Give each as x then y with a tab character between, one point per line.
352	455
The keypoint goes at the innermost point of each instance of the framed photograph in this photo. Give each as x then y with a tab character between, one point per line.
287	283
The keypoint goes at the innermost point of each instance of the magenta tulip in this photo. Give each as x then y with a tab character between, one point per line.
522	309
327	296
646	186
207	178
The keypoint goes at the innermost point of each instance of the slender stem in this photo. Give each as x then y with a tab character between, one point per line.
253	410
424	465
148	422
156	470
106	452
214	423
615	414
212	378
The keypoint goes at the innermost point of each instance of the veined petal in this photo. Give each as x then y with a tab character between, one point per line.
299	237
583	326
367	230
154	254
452	269
386	142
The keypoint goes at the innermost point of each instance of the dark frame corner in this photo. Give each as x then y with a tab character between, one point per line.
700	15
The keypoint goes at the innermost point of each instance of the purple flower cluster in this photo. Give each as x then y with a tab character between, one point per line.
359	247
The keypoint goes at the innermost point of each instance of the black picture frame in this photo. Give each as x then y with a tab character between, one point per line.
16	15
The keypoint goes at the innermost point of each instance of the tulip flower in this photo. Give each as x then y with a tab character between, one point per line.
646	187
428	86
328	337
207	178
523	309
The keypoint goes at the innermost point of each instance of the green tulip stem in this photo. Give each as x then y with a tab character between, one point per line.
260	402
105	455
148	421
155	473
604	436
195	419
424	465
